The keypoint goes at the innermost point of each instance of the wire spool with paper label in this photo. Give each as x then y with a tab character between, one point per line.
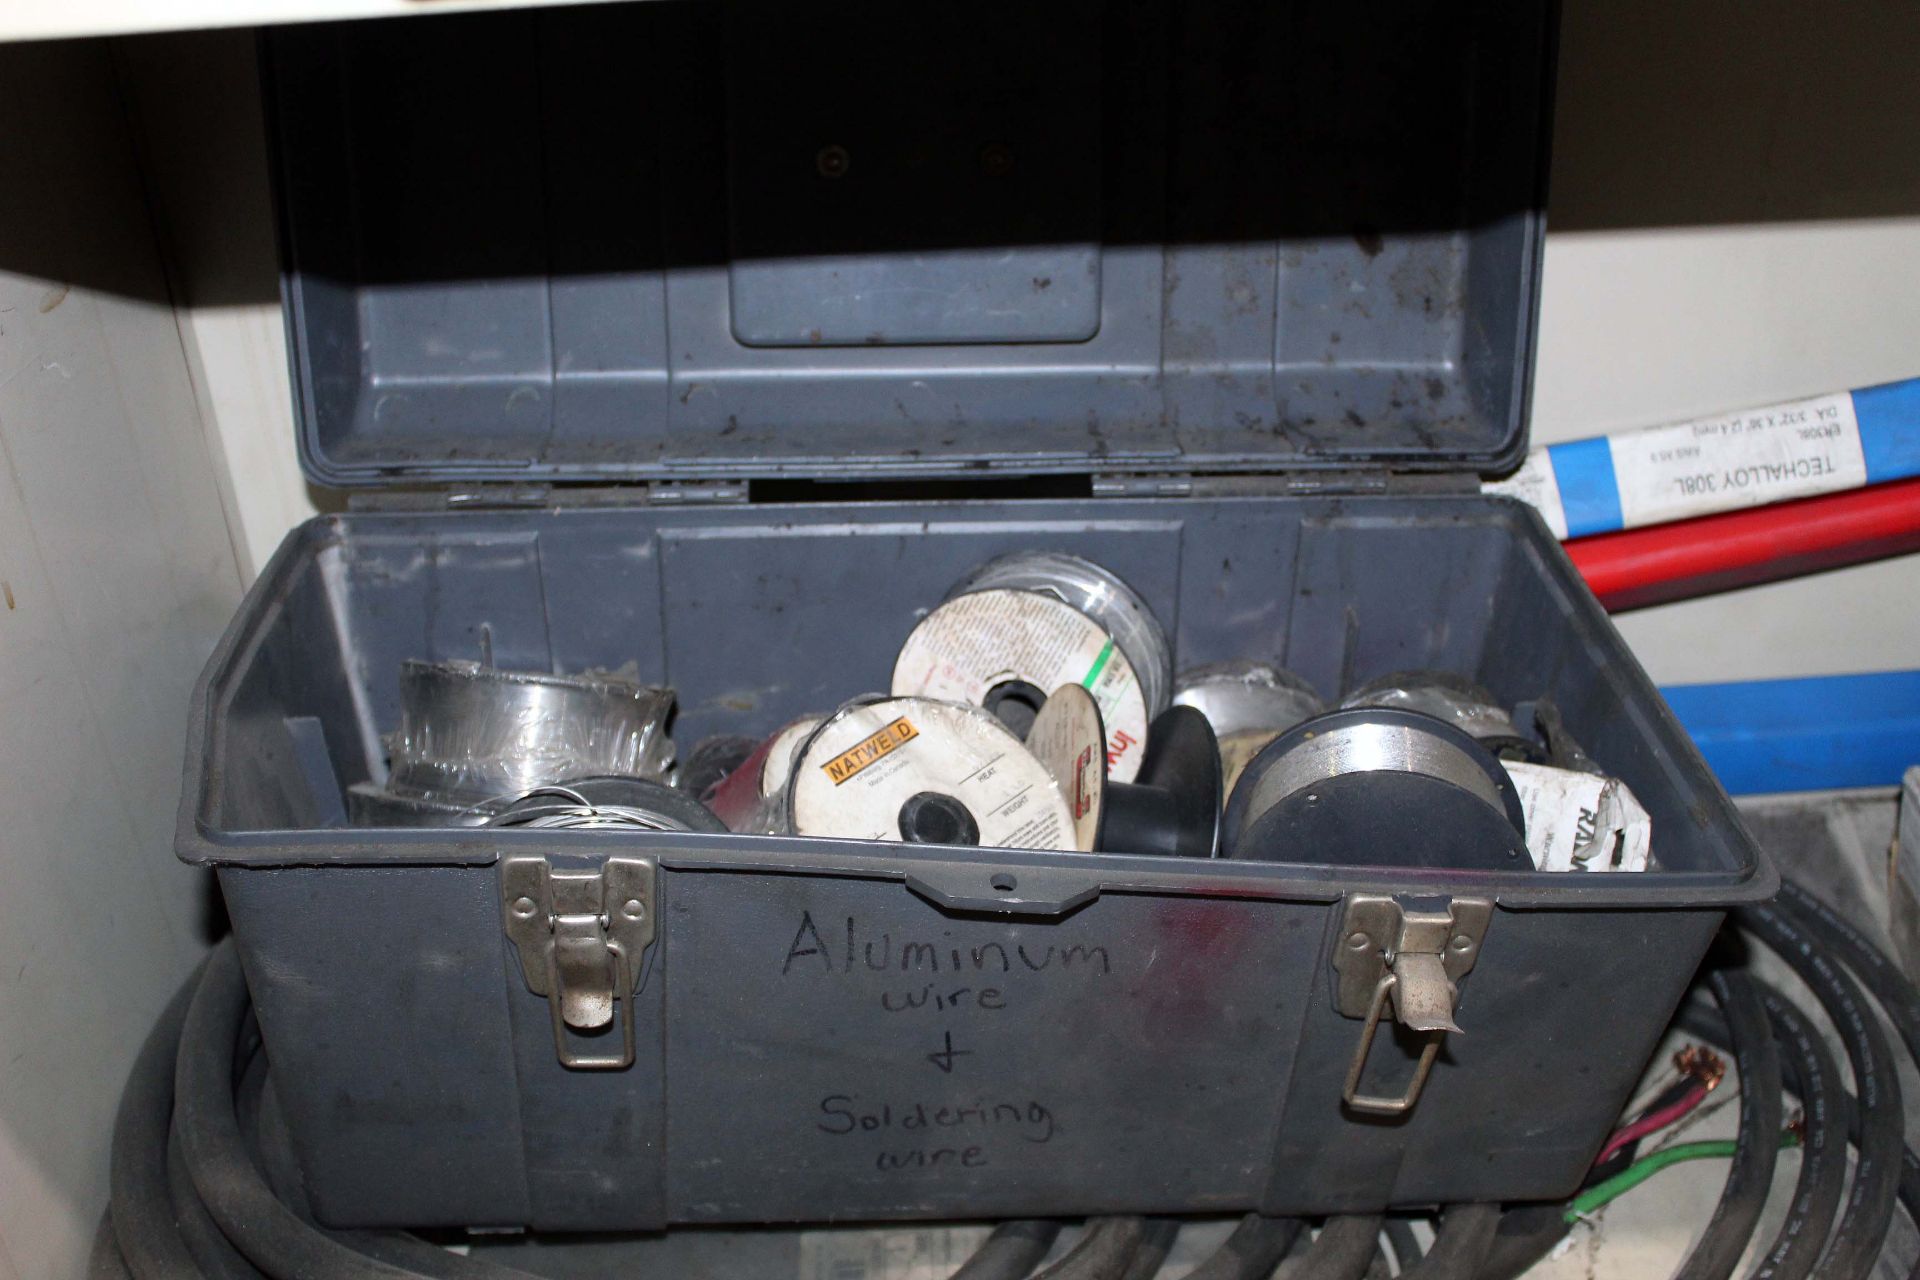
1002	650
1375	786
594	804
925	772
1249	704
1100	594
1172	808
1456	700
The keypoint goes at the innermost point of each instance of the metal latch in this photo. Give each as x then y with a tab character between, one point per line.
1416	958
581	935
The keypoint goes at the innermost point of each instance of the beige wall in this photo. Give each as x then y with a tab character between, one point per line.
117	574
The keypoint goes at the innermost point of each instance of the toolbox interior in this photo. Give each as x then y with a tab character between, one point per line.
758	614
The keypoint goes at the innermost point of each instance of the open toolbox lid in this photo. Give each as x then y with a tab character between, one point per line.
689	239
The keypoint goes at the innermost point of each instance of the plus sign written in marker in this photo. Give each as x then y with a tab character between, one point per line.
943	1058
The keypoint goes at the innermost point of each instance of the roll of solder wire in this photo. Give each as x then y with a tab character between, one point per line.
190	1198
1377	787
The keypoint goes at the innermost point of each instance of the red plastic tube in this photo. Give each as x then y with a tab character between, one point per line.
1689	558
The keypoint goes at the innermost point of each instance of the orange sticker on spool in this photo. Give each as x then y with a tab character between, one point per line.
870	750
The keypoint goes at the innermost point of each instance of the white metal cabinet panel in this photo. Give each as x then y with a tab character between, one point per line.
116	575
43	19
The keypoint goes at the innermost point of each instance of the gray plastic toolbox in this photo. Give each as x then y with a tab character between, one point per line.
594	309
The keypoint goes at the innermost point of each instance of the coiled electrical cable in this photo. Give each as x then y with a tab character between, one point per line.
1718	1250
1806	1061
1405	1245
1253	1250
201	1185
1461	1245
1868	1213
1342	1250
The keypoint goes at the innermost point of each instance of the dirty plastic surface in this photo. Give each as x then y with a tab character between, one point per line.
675	240
798	989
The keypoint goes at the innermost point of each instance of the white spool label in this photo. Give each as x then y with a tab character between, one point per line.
976	642
1736	460
1067	738
1581	821
868	761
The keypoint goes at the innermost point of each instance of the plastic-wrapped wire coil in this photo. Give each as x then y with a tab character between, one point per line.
190	1198
1452	698
1097	592
471	733
603	804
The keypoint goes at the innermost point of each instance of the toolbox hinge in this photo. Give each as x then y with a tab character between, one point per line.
580	935
553	497
1416	959
1285	484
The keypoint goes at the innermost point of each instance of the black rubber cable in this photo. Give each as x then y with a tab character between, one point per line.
1253	1250
1868	1212
1895	994
1155	1243
103	1259
224	1174
1822	1180
142	1212
1461	1244
216	1258
1717	1252
1405	1245
1706	1024
1342	1250
1011	1252
1104	1250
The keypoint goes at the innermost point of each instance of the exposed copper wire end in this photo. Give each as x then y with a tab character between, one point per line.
1703	1064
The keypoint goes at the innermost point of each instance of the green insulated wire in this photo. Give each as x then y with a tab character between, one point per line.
1639	1171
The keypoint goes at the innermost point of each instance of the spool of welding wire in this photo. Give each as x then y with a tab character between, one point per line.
752	797
1373	786
926	772
712	760
1456	700
1172	808
1100	594
369	805
1249	704
469	732
608	804
1003	649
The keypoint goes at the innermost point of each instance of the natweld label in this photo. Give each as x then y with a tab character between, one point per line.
877	747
